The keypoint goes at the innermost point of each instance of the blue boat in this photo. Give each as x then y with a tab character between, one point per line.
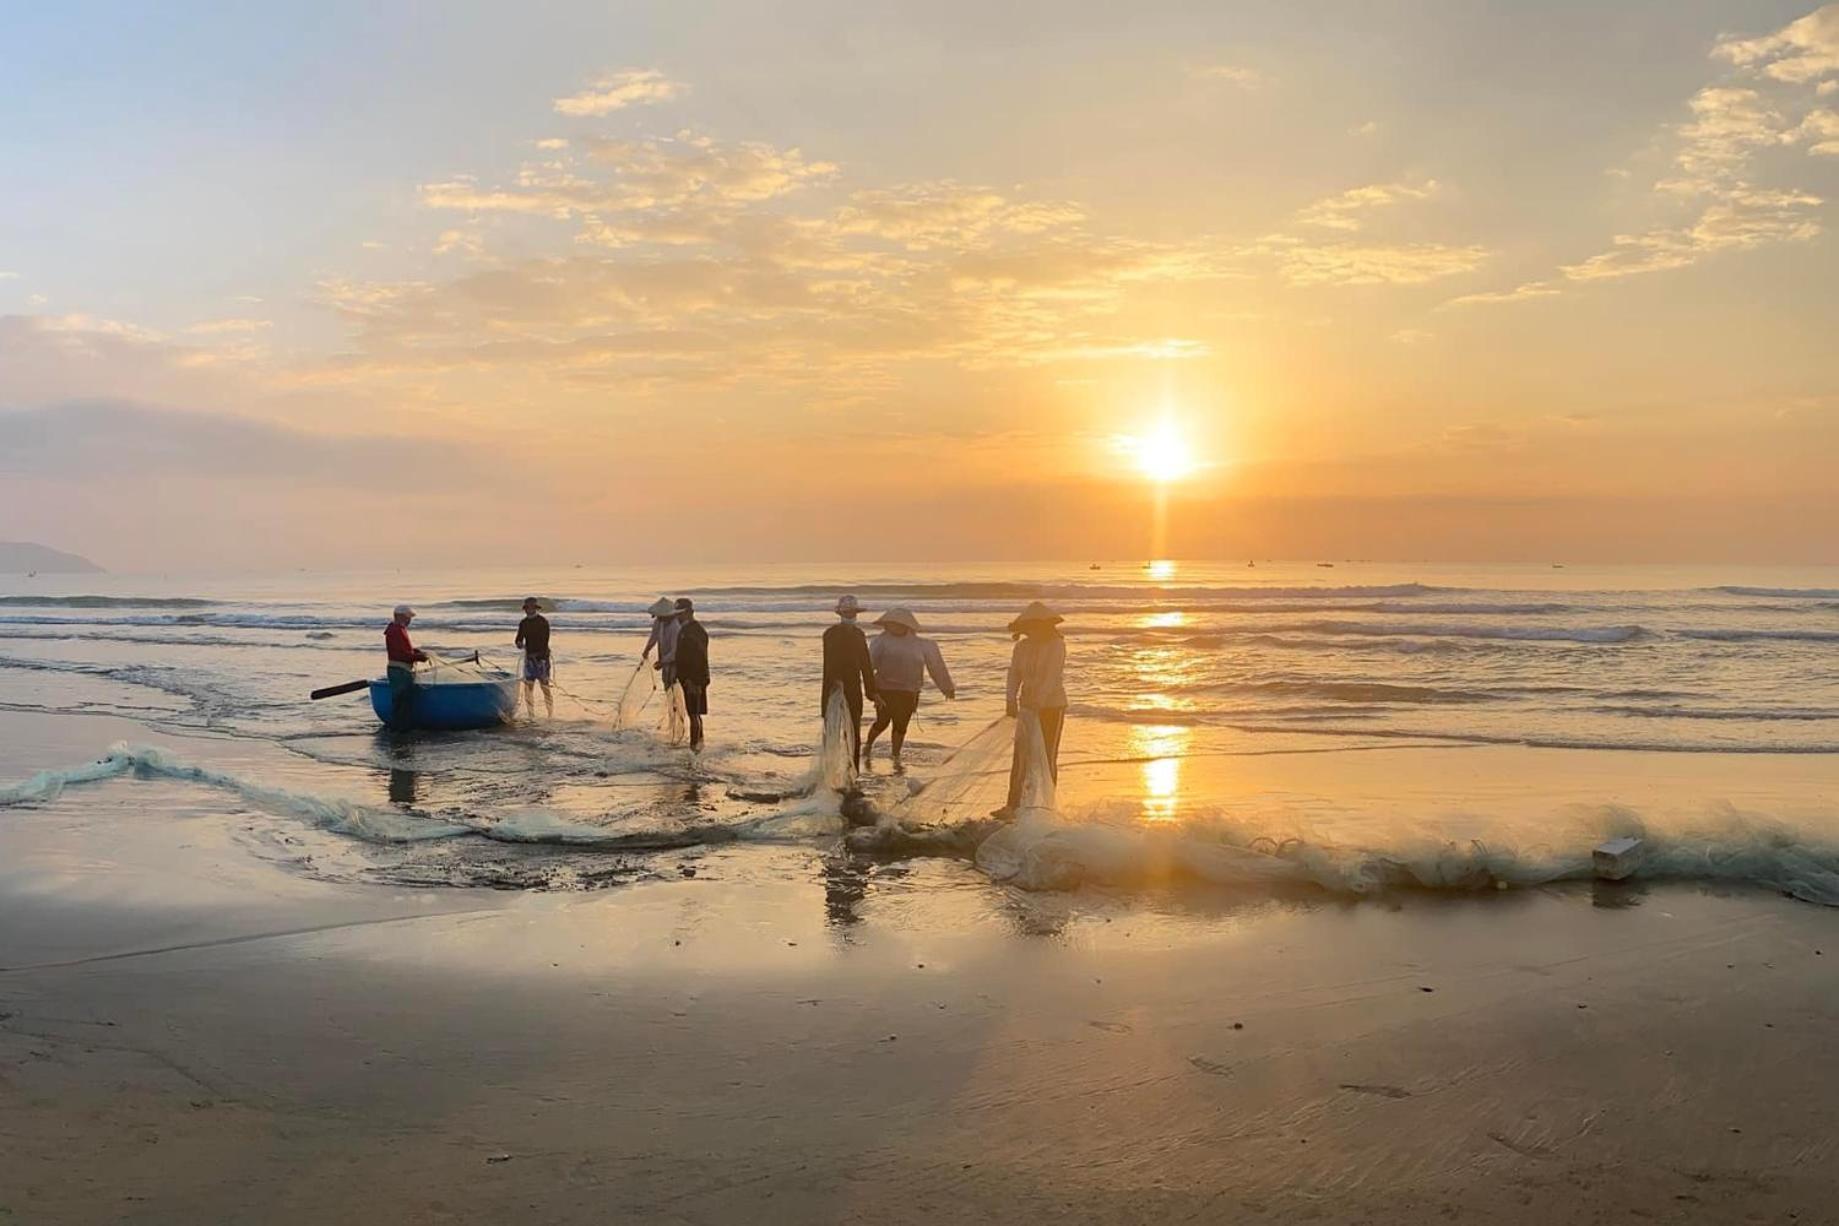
453	706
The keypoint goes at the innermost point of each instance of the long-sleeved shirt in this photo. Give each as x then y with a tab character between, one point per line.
664	633
690	653
903	660
1036	673
396	644
533	636
846	662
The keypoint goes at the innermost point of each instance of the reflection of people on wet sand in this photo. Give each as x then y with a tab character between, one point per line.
901	660
403	786
845	885
1036	684
848	668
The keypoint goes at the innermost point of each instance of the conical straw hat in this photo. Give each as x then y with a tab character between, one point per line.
899	617
1036	612
662	607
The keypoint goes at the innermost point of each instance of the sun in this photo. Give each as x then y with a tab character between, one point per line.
1163	455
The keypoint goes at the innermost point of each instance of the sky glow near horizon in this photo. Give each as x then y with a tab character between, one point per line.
690	283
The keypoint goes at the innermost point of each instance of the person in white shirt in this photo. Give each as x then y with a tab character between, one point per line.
664	630
1036	683
902	659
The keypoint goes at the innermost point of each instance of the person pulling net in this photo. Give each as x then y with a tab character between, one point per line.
533	641
649	677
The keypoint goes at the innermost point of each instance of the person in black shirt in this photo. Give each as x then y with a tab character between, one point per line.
847	667
533	637
693	669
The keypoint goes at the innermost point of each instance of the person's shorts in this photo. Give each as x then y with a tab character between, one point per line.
900	704
536	668
695	698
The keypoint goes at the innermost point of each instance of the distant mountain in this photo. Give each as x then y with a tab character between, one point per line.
22	557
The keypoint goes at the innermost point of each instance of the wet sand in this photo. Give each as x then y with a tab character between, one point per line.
190	1033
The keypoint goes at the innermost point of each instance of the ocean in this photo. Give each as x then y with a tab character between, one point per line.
1278	728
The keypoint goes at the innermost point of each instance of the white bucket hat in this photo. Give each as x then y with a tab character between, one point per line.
848	606
662	607
899	617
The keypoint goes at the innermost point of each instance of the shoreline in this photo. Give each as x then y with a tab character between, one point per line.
692	1051
201	1021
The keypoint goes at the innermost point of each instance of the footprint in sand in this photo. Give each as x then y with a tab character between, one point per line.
1208	1066
1110	1027
1382	1091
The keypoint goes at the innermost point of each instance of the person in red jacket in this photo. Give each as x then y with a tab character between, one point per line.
403	657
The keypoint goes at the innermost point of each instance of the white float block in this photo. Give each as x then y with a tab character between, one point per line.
1617	858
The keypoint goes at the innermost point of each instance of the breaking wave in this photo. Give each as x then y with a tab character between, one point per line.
1044	851
390	825
1564	634
105	602
1746	636
1788	593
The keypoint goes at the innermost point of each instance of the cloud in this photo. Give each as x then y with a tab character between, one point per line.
948	214
6	275
1345	211
1369	128
1309	260
1377	264
236	327
1718	159
86	440
1729	126
1235	75
1742	219
1802	51
688	170
465	242
1412	336
616	91
81	325
1520	293
1821	130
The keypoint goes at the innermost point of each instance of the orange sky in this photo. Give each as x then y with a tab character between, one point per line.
1475	281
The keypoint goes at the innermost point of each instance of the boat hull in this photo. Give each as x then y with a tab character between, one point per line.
451	706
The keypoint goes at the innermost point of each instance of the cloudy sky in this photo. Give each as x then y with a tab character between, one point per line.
720	280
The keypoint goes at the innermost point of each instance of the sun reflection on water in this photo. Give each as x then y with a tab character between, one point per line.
1163	745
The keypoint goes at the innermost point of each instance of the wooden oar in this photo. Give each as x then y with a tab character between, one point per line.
333	691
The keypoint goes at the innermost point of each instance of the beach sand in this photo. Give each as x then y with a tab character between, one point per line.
191	1033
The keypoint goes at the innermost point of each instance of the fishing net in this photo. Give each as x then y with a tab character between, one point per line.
640	689
974	779
674	725
835	767
1038	791
463	671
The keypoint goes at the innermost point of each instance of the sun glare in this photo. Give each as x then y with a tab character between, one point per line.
1163	455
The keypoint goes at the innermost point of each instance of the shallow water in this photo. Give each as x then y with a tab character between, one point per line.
1353	728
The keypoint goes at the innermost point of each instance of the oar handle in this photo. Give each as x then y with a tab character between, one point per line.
333	691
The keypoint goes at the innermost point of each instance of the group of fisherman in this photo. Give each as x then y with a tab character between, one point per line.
889	671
